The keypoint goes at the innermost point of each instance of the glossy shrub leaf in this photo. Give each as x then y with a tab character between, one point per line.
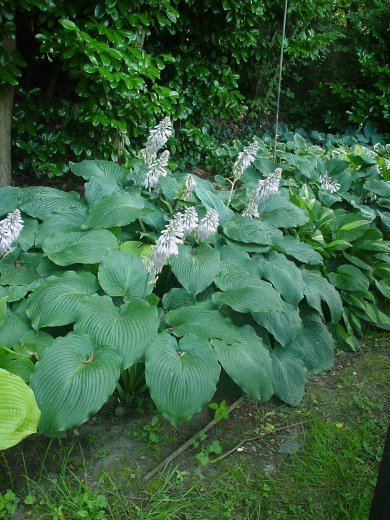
349	278
289	374
248	363
182	376
73	380
19	412
118	209
318	344
123	274
245	293
196	268
284	276
128	329
318	289
83	247
55	301
293	247
41	201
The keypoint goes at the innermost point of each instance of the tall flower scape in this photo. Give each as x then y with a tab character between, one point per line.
181	224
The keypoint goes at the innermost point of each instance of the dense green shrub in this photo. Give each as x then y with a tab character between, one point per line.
161	279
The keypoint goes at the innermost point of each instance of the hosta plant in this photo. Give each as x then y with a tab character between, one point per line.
160	280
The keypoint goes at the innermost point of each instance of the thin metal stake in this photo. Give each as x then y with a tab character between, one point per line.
280	77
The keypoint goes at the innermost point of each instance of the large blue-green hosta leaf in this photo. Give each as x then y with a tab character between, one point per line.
281	213
117	209
289	374
248	363
8	199
318	344
55	301
245	293
202	322
293	247
99	187
89	169
19	412
317	289
176	298
285	326
123	274
181	376
79	247
196	268
12	329
284	276
349	278
41	201
19	269
73	380
209	198
61	223
249	231
128	329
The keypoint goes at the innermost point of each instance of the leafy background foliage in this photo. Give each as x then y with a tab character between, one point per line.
90	79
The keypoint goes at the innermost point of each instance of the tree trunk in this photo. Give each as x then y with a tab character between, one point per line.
6	105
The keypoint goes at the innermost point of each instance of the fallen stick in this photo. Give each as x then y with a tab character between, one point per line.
249	439
187	444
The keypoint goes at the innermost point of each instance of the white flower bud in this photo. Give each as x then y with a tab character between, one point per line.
328	184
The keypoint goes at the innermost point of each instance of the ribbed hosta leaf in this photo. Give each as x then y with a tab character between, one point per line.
40	201
89	169
123	274
136	248
83	247
8	199
19	269
12	329
19	412
17	364
26	239
61	222
209	198
202	322
99	187
248	363
285	326
178	297
349	278
245	293
318	344
34	343
195	268
282	213
317	288
13	293
289	375
303	252
118	209
383	286
129	329
248	230
234	258
55	301
380	187
284	276
182	376
73	380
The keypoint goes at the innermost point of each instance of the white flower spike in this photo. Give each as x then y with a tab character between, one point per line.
10	228
245	159
158	137
157	168
208	225
328	184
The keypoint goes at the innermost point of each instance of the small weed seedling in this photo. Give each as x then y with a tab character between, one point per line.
8	502
203	456
221	410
